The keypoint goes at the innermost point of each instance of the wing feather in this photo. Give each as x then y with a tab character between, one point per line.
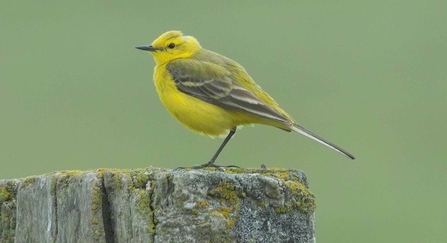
214	84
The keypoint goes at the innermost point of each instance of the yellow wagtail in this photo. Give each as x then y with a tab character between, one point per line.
212	94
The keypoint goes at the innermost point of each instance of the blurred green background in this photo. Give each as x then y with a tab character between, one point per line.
369	76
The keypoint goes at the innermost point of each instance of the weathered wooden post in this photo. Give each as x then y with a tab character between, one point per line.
158	205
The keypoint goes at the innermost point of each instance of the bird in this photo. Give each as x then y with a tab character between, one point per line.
212	94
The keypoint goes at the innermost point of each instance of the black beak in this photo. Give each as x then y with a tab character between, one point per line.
147	48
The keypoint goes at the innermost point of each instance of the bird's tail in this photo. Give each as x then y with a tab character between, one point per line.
309	134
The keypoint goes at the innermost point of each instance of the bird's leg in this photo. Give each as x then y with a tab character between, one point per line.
211	162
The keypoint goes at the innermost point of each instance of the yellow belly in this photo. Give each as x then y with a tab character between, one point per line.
196	114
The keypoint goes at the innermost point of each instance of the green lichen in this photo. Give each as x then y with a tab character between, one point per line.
96	199
64	178
72	173
225	212
144	202
140	180
7	191
283	209
29	180
282	174
229	196
144	205
212	169
8	214
299	196
115	180
228	192
301	199
202	204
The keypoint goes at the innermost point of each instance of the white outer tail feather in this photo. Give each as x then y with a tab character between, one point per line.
309	134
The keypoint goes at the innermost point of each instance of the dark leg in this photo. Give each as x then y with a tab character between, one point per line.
211	162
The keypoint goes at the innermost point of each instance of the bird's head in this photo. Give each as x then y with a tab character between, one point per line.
172	45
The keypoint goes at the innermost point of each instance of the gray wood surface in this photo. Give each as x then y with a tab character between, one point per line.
158	205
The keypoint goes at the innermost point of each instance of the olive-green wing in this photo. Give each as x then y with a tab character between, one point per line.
216	85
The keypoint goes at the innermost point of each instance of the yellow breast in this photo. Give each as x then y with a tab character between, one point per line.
193	113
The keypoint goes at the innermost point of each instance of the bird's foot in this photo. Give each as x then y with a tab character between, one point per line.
208	165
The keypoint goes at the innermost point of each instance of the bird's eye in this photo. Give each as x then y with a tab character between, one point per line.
171	46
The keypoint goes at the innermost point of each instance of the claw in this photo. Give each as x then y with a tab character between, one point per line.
208	165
